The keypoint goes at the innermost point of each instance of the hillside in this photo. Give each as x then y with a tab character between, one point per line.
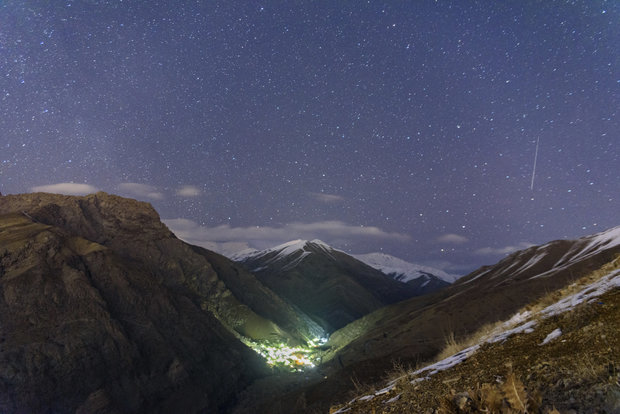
133	230
417	329
557	355
103	308
327	284
84	329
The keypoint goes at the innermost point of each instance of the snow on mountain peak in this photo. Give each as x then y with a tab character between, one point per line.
391	265
321	243
295	249
608	239
299	249
295	245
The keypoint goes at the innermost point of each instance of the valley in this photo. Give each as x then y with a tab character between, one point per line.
104	309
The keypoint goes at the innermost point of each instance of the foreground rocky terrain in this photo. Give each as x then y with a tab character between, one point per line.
83	330
558	355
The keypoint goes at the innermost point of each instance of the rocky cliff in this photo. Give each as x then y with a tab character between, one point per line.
103	309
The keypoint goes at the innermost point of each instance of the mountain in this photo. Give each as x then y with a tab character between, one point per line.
327	284
417	329
103	309
559	355
402	270
425	279
485	295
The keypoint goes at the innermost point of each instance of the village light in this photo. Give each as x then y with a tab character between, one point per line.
281	355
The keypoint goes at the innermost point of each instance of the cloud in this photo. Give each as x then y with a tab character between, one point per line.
452	238
141	191
65	188
497	251
188	191
327	198
226	249
221	238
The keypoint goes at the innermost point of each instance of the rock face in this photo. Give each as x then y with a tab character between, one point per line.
133	230
103	309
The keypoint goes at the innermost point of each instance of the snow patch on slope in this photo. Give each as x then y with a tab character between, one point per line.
556	333
526	323
593	245
526	320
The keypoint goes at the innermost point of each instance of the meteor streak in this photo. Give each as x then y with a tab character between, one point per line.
535	159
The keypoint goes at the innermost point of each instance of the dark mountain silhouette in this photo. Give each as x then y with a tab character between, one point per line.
103	308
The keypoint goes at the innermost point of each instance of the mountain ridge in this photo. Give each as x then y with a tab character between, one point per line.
167	318
328	284
84	329
392	266
103	309
133	229
416	329
513	281
402	270
558	354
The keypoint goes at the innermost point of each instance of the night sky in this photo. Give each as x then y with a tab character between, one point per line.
444	132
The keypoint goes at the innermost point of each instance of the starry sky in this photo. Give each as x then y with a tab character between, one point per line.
444	132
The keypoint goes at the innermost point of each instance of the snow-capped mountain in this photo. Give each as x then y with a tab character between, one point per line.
547	260
394	267
484	296
402	270
328	284
290	253
241	255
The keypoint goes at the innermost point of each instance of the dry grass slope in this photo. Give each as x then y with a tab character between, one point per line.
578	371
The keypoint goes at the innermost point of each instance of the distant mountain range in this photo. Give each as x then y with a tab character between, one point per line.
331	286
402	270
284	258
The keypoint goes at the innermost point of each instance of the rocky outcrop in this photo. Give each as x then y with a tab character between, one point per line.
103	309
133	230
82	329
